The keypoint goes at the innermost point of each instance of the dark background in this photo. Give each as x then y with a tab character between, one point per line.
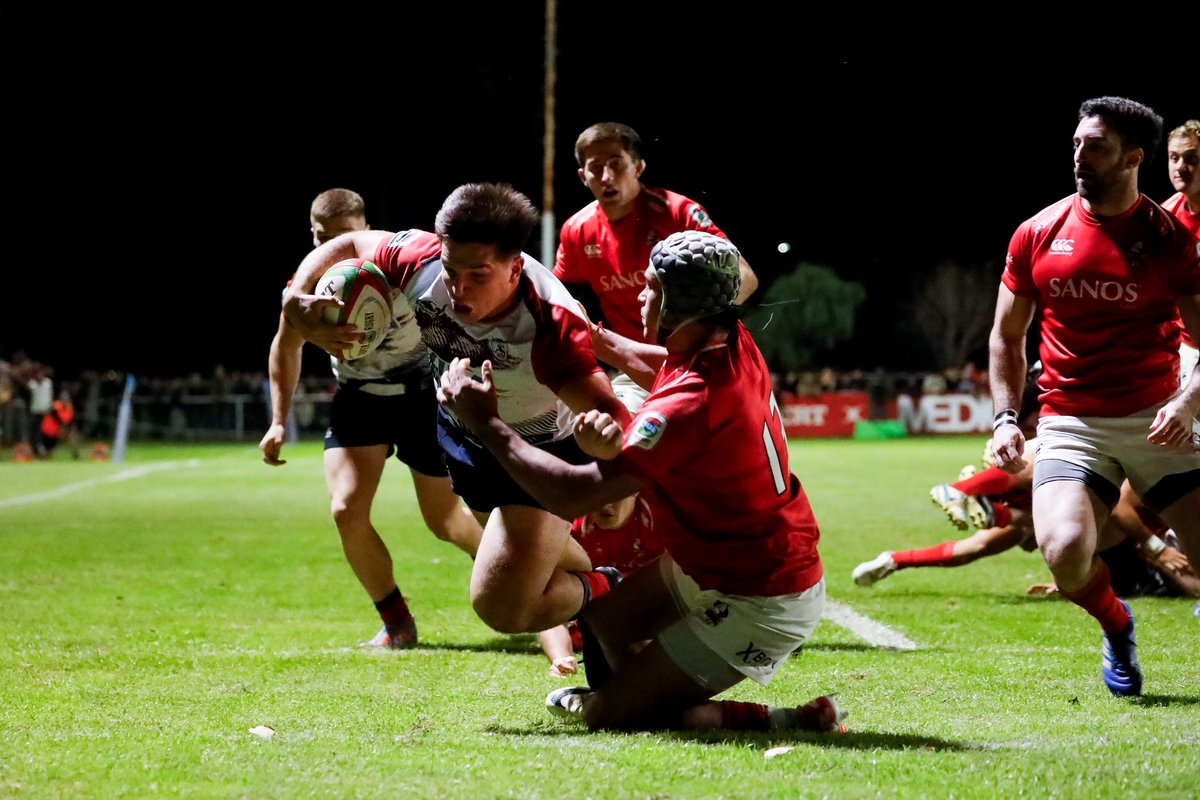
159	166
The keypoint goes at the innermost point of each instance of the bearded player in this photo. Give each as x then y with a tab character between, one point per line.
1109	271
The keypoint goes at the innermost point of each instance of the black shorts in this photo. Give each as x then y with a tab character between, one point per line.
406	423
479	479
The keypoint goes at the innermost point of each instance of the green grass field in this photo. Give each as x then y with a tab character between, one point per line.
153	612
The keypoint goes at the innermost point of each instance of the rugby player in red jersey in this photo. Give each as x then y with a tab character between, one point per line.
603	248
1109	271
741	586
1183	169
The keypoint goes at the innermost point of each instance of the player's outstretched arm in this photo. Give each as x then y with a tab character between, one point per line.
599	435
568	490
283	374
639	360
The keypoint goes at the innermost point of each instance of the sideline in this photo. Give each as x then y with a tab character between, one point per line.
124	475
872	632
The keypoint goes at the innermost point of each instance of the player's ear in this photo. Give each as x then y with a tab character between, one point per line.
518	265
582	179
639	167
1134	157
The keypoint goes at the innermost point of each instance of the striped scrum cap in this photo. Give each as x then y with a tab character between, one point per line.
699	273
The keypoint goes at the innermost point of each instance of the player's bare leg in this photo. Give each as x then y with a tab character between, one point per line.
520	582
1066	518
352	476
444	513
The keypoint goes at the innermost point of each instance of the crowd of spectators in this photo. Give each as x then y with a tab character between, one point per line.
967	379
221	405
39	410
235	405
34	417
881	386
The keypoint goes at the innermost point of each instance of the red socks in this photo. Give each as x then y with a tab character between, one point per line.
819	714
1098	599
992	480
595	584
739	716
940	555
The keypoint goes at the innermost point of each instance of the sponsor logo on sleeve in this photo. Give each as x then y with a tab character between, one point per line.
398	239
700	216
648	430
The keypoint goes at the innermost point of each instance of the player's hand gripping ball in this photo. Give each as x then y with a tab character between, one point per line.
367	302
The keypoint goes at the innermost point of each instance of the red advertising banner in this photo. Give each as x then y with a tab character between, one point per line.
828	414
835	413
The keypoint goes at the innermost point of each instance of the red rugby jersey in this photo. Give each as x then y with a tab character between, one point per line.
612	257
709	441
1106	288
1177	204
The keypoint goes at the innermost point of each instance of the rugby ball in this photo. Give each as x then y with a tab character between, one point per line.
366	302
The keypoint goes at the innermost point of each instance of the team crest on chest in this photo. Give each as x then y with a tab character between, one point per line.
648	430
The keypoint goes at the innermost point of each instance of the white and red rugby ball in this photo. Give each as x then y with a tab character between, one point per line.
366	302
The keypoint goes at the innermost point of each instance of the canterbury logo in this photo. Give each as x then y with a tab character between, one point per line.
591	250
1063	246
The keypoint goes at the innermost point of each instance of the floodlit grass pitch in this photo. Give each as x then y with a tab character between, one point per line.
153	612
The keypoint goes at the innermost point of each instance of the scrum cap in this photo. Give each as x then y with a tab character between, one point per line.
699	274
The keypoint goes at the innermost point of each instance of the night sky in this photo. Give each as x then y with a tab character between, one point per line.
158	170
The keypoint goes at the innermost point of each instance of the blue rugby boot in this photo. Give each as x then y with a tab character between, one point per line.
1119	662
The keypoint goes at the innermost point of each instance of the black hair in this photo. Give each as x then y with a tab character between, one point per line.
488	213
1138	125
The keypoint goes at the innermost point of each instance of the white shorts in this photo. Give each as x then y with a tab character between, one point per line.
629	393
1115	449
1187	362
723	638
